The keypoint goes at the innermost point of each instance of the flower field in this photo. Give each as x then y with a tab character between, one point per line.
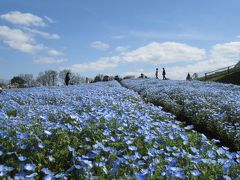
212	106
102	131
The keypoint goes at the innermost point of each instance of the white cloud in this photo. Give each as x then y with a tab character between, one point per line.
226	52
49	60
19	40
122	48
99	65
165	53
99	45
220	56
7	33
54	52
25	47
26	19
43	34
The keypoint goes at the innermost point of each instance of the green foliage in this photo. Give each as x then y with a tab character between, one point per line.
12	112
17	80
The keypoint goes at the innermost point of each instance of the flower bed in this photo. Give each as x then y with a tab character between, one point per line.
212	106
101	130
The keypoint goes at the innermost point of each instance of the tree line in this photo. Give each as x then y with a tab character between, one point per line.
54	78
46	78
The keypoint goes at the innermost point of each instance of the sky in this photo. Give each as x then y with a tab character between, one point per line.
126	37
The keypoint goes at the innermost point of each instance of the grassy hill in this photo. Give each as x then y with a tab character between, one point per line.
233	76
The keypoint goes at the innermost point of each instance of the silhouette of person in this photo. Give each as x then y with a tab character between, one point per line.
164	74
67	78
156	73
188	77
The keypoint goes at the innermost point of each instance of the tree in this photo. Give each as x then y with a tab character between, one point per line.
76	79
106	78
28	78
129	77
18	80
194	76
97	78
48	78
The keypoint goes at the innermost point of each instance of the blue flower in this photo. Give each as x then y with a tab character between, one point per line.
195	172
140	176
48	133
30	167
47	171
189	127
132	148
22	158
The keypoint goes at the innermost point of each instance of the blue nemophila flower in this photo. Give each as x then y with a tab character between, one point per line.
140	176
171	136
60	175
5	169
221	151
1	153
3	115
22	158
21	175
132	148
71	149
49	177
194	150
31	176
41	145
211	154
227	177
51	158
87	139
30	167
189	127
195	172
3	134
47	171
106	132
169	148
48	133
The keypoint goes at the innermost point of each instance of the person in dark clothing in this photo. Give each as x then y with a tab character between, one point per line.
67	78
164	74
156	73
188	77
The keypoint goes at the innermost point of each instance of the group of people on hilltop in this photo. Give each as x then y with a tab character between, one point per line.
67	77
163	74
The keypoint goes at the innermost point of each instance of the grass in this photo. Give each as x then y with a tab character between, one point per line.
232	77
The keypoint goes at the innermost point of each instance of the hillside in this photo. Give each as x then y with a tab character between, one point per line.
233	76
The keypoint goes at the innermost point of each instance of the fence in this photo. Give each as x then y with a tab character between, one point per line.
222	71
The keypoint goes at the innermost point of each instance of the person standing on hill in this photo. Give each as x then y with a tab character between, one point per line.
156	73
188	78
164	74
67	78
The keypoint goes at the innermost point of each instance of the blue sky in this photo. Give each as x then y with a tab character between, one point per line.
126	37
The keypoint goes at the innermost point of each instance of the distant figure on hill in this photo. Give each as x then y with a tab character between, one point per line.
164	74
67	78
188	78
142	76
156	73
